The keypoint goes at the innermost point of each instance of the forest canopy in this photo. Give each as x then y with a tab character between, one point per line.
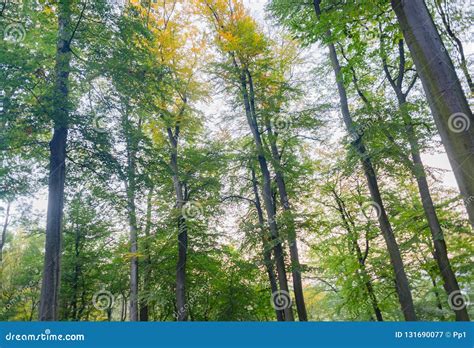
236	160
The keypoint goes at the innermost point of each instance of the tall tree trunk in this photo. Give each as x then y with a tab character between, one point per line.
132	219
182	310
432	276
123	312
451	112
77	270
295	263
441	255
147	269
267	195
280	180
450	283
267	254
266	186
401	280
360	256
4	229
57	169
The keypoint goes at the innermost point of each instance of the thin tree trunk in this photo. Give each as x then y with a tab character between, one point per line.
147	269
57	169
83	302
451	112
441	255
295	263
280	180
450	282
4	229
132	220
360	257
266	186
77	269
401	280
267	254
435	285
267	196
182	310
123	312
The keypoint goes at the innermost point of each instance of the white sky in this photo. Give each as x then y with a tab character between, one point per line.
439	161
256	8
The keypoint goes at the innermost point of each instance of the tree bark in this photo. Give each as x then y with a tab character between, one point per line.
182	310
450	283
432	273
360	257
77	271
57	169
132	218
267	254
144	312
266	186
267	194
441	255
401	280
295	263
4	229
451	112
283	193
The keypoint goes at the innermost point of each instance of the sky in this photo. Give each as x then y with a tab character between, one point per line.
256	9
439	160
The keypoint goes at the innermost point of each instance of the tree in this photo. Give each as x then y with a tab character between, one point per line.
441	255
451	112
198	169
240	41
57	166
402	286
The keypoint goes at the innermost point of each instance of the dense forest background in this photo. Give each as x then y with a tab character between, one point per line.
220	160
